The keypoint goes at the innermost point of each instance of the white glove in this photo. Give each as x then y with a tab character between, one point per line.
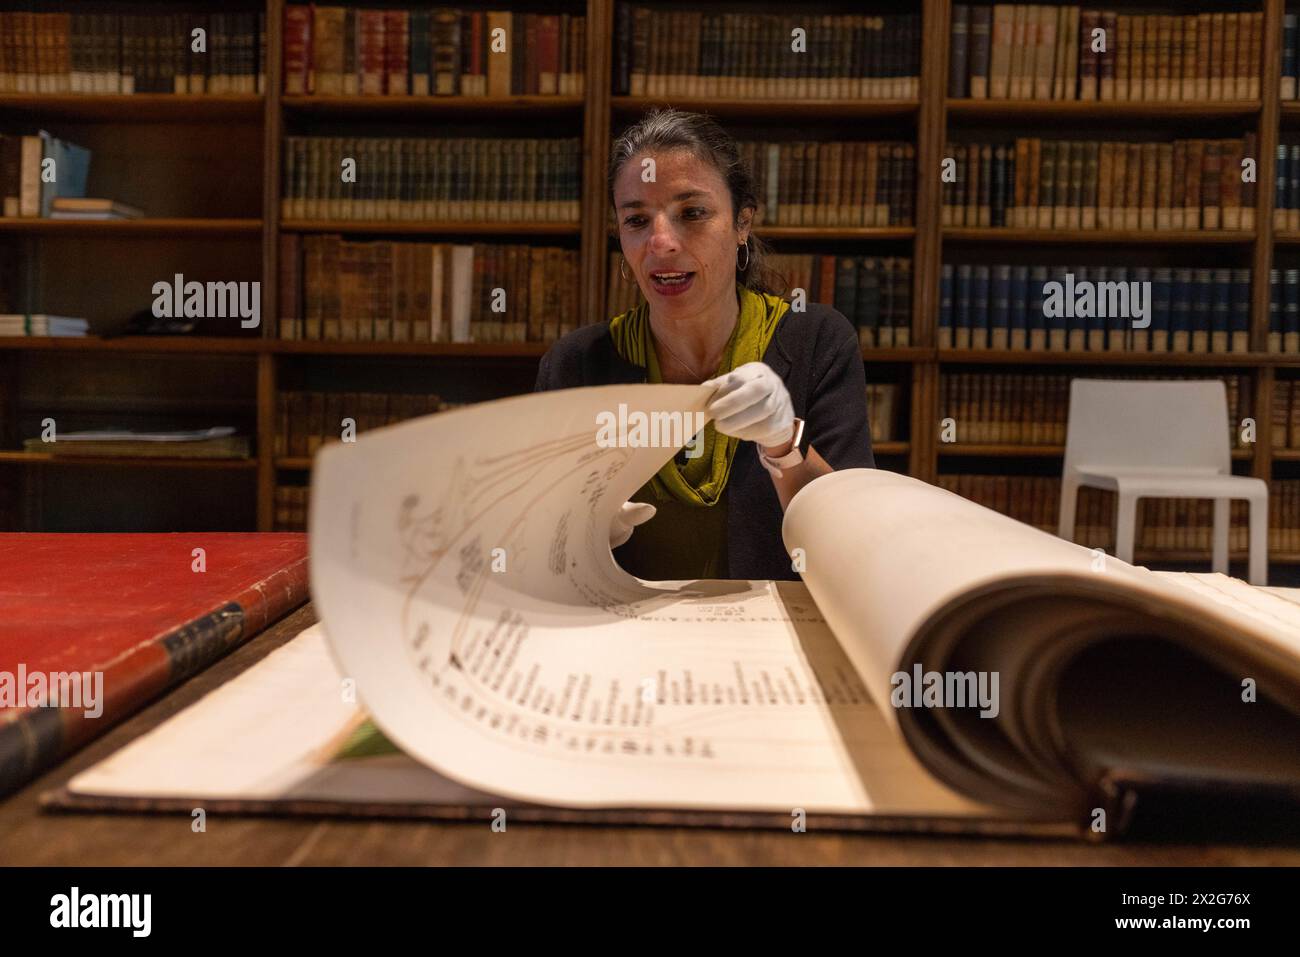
630	515
751	402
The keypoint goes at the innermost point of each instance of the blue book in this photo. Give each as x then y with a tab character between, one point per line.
1291	310
1058	329
1088	332
1202	296
1162	291
1239	325
1122	333
1288	56
1281	177
71	169
1000	308
945	305
979	318
1292	180
1274	310
1035	321
1019	337
1220	309
1180	320
962	321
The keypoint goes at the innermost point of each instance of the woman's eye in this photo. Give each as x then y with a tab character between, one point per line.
694	212
633	221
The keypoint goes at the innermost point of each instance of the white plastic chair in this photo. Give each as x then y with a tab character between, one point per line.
1158	440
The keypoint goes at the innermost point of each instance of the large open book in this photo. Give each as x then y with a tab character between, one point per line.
939	666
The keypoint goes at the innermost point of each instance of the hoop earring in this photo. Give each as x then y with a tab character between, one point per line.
744	246
621	263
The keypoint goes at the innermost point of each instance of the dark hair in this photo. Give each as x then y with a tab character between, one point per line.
678	129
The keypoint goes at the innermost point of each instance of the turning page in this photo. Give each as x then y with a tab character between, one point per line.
464	578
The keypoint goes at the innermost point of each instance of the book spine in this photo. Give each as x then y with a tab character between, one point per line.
981	38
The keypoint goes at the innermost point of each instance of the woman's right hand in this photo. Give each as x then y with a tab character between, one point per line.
630	515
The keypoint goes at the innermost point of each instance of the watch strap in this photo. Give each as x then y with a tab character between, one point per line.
790	459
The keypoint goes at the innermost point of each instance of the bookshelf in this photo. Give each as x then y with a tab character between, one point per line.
245	236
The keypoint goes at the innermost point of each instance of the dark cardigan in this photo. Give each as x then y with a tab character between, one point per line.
816	354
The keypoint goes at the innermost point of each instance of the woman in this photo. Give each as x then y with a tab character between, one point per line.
789	400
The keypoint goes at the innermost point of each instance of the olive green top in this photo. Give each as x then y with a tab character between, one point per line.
681	541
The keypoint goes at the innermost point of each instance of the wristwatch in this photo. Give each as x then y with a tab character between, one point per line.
790	459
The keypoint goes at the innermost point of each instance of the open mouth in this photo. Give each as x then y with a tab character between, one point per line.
671	282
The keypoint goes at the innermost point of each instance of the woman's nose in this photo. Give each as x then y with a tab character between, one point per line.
663	236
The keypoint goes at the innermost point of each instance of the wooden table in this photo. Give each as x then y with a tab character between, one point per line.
30	836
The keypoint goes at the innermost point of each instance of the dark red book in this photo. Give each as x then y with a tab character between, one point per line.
94	626
297	49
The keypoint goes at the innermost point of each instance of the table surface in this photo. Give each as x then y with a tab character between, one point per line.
30	836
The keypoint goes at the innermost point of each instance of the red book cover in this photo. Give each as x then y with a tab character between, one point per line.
530	54
548	53
297	48
99	624
396	29
476	65
370	28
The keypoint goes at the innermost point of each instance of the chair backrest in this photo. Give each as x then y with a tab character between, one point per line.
1121	422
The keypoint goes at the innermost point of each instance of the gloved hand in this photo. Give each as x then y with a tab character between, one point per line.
751	402
630	515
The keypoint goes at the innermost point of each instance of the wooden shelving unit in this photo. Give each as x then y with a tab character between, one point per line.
118	228
928	120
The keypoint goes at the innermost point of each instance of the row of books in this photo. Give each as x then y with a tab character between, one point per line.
1063	184
1033	408
1286	192
289	511
24	190
338	51
1094	308
810	183
440	180
803	55
1162	523
306	420
337	289
1044	52
873	292
1284	310
108	52
1285	433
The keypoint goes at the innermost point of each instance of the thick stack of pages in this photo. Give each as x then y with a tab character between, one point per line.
473	610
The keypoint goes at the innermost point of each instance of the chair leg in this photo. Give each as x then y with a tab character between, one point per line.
1258	571
1219	562
1069	499
1125	527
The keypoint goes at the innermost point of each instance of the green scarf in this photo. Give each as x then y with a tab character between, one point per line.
701	480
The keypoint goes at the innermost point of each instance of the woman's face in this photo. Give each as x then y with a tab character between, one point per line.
678	233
